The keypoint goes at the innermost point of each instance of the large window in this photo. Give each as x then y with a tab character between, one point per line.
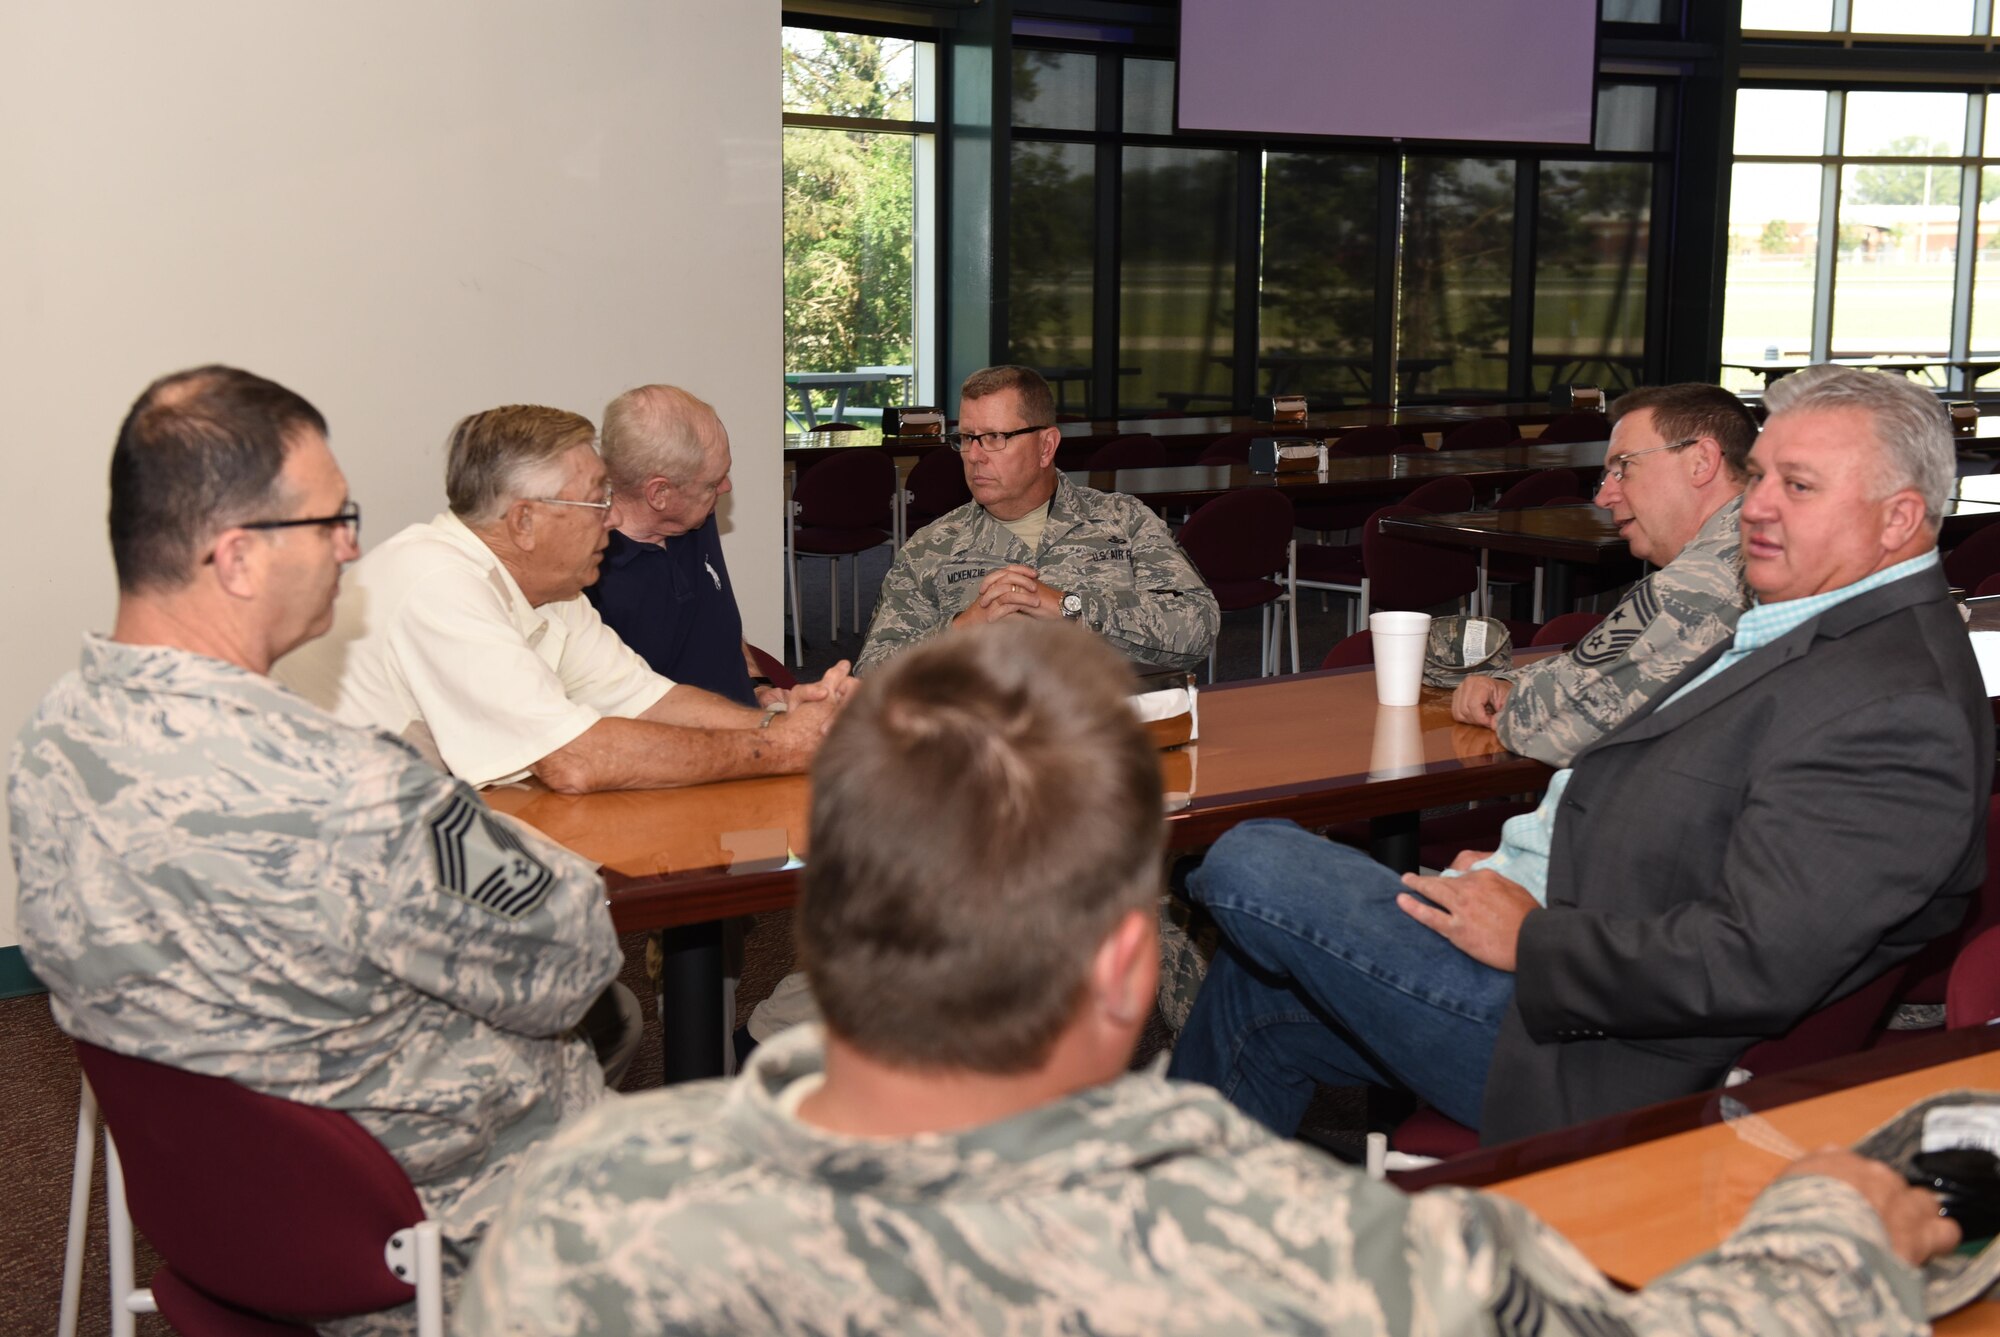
1153	273
1176	277
1316	317
1850	235
857	187
1052	234
1944	18
1458	289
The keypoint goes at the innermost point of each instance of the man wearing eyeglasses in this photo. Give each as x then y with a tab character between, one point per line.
1032	544
1673	482
217	876
1802	811
469	636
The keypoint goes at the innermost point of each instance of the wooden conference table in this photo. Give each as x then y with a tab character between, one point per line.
1642	1192
1313	747
1347	478
1415	417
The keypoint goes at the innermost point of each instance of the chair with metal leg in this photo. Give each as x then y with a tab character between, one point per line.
1241	543
1481	434
1582	425
269	1215
841	507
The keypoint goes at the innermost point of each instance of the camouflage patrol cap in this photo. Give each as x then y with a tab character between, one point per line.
1956	1279
1461	645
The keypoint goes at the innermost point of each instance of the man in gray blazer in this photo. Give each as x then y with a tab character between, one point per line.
1802	810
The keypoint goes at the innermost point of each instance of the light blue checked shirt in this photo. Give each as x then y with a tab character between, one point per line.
1523	856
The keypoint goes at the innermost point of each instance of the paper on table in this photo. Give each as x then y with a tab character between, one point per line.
1166	704
1986	649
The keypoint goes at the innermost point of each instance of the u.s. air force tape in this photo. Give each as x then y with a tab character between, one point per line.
481	861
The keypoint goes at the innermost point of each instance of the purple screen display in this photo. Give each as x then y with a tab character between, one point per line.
1500	70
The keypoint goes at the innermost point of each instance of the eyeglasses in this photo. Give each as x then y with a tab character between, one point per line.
604	505
1614	472
348	517
988	441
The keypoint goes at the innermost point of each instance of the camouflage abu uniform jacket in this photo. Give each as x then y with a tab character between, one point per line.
1139	590
1562	704
1141	1207
219	876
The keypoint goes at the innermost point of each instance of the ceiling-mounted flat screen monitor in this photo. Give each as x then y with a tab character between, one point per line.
1494	71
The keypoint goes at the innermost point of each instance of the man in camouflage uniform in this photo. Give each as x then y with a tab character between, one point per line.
1677	508
1032	544
962	1150
218	876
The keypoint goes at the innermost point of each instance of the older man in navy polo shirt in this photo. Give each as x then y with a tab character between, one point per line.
663	586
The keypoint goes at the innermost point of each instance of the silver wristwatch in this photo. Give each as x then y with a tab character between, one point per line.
1072	606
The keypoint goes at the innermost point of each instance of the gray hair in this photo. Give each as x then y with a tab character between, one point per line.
495	458
655	429
1912	429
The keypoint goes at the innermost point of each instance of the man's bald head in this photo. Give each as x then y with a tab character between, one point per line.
668	457
657	430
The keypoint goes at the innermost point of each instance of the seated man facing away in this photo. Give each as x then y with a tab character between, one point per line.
469	636
1804	809
218	876
663	586
1032	544
963	1148
1673	481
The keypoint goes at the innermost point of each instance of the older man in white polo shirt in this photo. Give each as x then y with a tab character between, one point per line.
469	636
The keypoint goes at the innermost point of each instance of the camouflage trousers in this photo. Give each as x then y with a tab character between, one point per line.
1189	940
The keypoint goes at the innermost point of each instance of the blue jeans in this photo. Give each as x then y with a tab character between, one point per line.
1323	978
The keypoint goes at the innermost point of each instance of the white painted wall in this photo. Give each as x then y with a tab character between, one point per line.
404	211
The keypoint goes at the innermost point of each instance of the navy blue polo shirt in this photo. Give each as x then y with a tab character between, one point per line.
671	601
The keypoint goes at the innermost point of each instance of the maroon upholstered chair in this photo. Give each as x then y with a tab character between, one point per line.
1931	969
1233	448
1974	560
1481	434
1326	516
1355	650
768	665
843	506
934	486
1403	573
1537	489
1844	1026
269	1215
1241	543
1582	425
1129	452
1566	629
1367	441
1343	569
1974	996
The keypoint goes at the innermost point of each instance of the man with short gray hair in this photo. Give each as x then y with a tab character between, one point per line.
1801	811
1031	544
469	636
963	1148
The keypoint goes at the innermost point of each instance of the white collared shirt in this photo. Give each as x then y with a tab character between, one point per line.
433	641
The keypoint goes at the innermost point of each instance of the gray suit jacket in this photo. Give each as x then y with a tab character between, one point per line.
1721	867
